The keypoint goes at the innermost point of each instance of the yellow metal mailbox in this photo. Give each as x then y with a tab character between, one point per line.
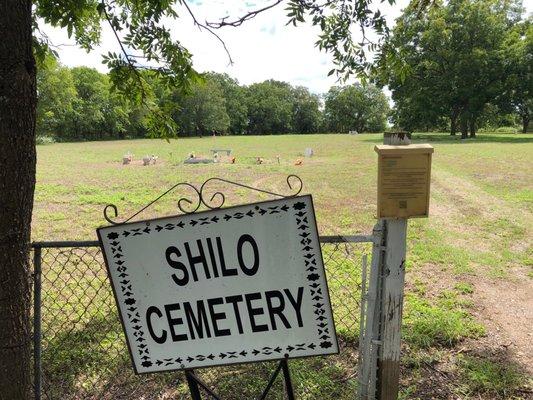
404	174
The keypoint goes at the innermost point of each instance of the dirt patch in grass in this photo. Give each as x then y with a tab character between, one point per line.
427	379
505	307
429	281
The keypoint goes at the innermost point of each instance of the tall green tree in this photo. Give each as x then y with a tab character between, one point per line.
235	97
78	103
448	62
363	108
518	47
143	38
269	106
88	118
203	110
56	97
306	114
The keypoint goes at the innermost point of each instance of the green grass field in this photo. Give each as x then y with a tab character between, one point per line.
473	247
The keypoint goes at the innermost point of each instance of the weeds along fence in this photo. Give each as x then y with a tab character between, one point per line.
80	350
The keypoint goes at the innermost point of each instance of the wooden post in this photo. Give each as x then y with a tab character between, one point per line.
391	309
392	293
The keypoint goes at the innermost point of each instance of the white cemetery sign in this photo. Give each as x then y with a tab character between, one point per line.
233	285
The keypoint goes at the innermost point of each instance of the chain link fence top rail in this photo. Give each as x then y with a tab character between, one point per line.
84	353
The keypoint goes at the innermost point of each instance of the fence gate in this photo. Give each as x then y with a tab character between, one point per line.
80	351
79	347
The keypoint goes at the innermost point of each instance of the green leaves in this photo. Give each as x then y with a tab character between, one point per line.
363	108
145	47
235	101
337	19
100	8
446	62
79	17
202	109
77	103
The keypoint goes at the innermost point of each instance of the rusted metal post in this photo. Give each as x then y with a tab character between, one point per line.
392	293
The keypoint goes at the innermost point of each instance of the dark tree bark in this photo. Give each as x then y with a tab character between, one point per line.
17	183
472	126
453	122
464	128
525	123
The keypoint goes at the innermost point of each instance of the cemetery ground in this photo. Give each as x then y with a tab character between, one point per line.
469	283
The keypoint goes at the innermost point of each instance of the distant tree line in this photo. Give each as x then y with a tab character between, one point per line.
461	65
79	104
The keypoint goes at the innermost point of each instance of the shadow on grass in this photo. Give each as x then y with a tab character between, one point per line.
326	377
484	373
493	372
447	139
75	360
93	363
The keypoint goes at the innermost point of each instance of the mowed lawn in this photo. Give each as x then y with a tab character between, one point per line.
76	180
469	262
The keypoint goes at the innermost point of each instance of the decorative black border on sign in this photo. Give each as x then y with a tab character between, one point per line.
259	211
129	300
228	355
309	261
313	276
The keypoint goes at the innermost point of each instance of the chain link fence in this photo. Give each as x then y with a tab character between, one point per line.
83	353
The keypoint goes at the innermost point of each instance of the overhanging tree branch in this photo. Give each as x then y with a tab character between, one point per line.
244	18
208	29
131	65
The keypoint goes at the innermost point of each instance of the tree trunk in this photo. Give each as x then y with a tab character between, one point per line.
18	100
525	123
453	124
472	126
464	128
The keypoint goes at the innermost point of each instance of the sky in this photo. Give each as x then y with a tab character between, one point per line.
262	48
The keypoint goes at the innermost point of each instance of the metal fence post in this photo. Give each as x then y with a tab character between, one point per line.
287	377
37	271
370	335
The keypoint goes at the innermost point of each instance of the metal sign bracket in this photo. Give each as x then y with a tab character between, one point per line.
195	383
